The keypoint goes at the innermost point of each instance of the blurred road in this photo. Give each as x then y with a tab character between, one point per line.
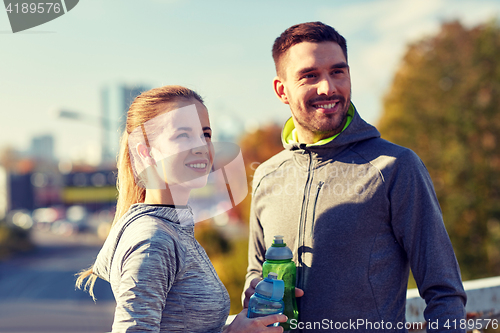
37	292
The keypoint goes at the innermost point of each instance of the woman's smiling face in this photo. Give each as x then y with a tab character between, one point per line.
182	148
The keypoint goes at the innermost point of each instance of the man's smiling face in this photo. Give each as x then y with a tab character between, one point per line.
316	83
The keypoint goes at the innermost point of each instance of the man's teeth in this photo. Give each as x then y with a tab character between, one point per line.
198	165
326	106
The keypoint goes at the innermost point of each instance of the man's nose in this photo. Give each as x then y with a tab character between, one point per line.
326	86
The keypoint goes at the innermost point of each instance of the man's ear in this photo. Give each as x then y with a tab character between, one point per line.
145	155
279	89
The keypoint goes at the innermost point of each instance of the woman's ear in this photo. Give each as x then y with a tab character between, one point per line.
145	155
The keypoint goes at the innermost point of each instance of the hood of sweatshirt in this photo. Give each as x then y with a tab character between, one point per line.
356	130
180	216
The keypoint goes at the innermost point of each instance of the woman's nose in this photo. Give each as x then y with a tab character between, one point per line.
201	147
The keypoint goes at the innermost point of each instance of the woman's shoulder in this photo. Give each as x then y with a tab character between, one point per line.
151	241
139	236
151	229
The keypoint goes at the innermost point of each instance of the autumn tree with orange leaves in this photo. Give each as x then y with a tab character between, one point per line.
444	104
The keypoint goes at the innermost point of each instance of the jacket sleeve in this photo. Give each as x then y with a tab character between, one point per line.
418	226
256	246
147	272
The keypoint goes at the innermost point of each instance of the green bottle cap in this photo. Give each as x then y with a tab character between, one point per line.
278	250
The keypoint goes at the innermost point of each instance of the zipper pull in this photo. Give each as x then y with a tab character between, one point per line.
318	189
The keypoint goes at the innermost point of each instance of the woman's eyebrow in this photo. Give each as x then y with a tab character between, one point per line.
189	129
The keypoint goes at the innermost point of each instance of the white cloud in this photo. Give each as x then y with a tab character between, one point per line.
399	17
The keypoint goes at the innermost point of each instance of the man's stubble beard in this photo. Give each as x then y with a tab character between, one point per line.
316	128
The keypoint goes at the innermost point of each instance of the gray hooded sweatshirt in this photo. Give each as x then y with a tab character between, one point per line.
161	277
357	213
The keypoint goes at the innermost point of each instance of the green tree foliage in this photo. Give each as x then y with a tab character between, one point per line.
13	240
444	104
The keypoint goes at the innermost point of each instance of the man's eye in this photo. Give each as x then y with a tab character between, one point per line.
207	135
309	76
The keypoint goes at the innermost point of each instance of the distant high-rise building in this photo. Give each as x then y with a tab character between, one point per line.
115	101
42	147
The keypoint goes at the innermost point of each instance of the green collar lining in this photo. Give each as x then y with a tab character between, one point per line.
290	132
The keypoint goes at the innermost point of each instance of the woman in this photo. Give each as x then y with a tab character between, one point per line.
161	277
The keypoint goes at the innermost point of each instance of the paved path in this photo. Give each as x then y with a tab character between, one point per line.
37	292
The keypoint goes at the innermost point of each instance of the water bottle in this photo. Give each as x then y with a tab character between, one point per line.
268	298
279	260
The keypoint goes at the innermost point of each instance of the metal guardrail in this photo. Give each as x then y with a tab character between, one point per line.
483	303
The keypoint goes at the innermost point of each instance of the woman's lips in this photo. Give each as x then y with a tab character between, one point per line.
198	166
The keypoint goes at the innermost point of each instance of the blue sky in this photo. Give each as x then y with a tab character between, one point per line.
219	48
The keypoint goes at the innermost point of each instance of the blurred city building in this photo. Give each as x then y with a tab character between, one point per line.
42	147
115	101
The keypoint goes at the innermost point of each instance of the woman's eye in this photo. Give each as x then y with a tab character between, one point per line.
182	135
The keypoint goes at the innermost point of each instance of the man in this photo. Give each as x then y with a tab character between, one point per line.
357	211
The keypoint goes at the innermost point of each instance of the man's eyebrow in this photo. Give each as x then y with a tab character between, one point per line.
340	65
206	128
312	69
306	70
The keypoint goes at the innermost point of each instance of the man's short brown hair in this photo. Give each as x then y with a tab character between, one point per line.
314	32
